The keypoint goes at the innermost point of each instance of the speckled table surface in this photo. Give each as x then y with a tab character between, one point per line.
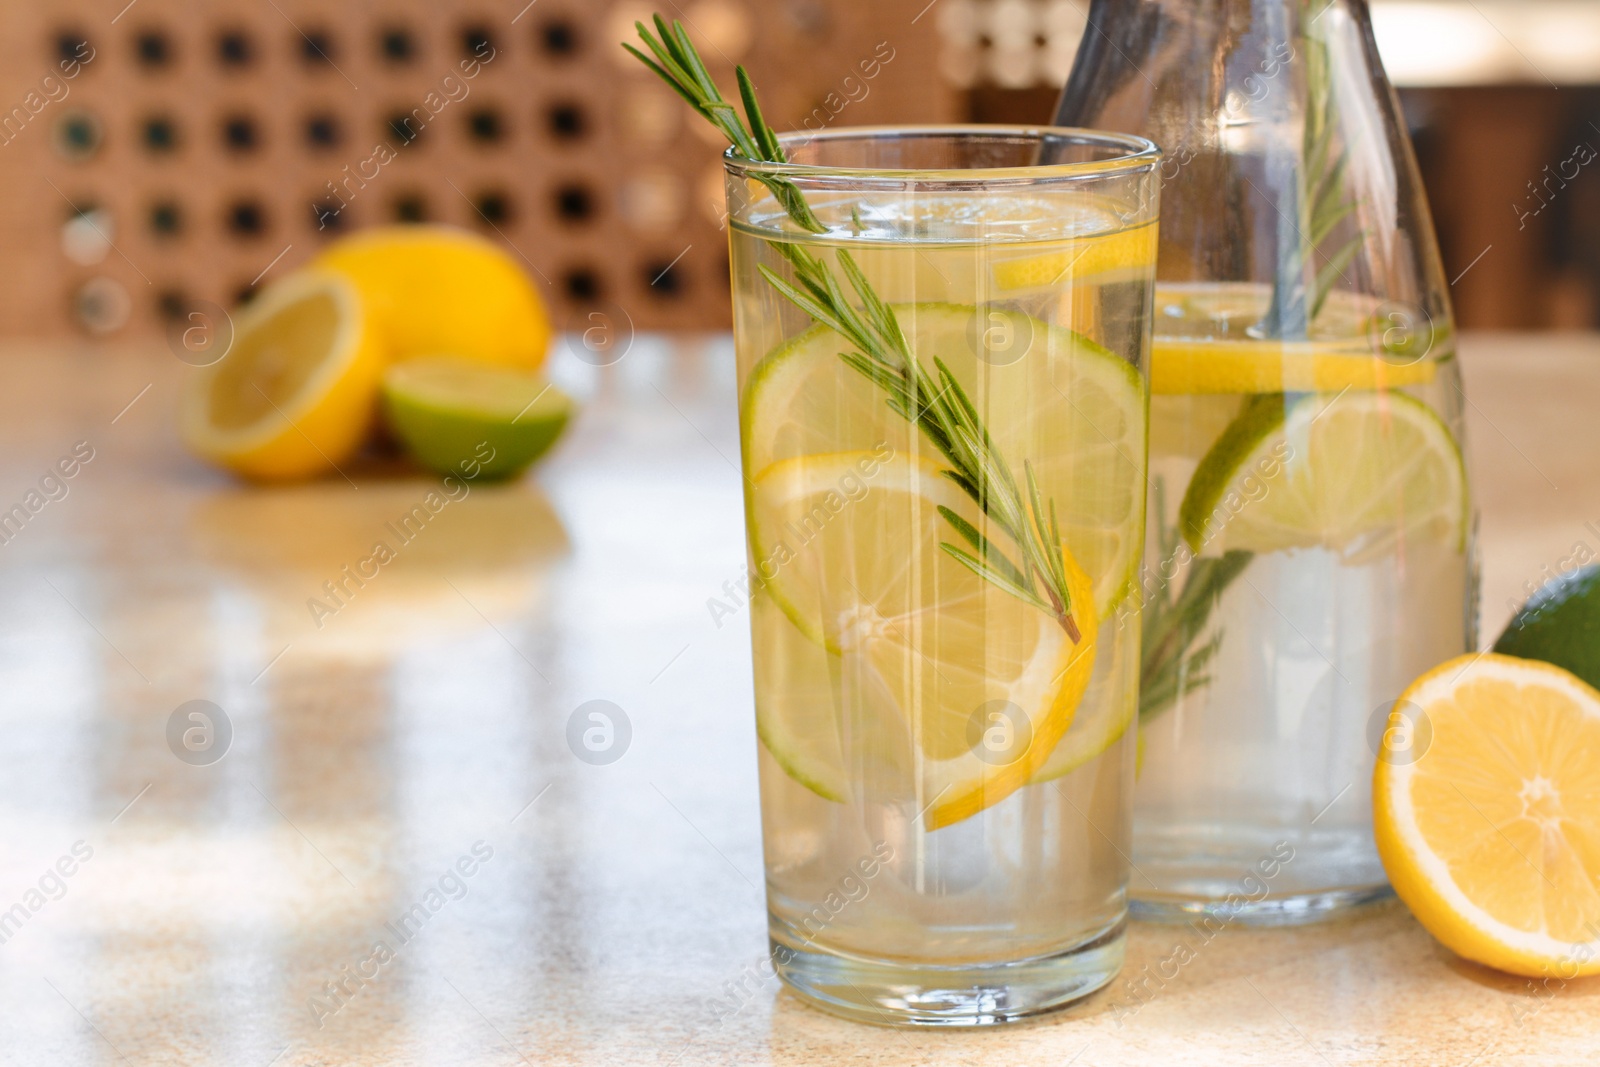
397	767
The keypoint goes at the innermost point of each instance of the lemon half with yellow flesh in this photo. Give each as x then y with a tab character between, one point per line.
294	394
1486	807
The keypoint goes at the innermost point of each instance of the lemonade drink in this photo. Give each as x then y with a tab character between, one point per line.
1311	499
945	765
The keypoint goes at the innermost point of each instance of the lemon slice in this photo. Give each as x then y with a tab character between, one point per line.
1352	473
1486	807
1227	366
296	391
1130	251
977	686
1047	395
436	289
1203	344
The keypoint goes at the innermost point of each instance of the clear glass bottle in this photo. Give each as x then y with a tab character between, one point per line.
1310	528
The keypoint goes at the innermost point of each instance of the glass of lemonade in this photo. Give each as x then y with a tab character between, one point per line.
945	677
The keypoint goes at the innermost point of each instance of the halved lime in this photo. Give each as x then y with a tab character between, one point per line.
1353	473
1073	409
464	418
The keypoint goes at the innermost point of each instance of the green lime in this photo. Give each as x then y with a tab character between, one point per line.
797	714
1353	472
1074	410
463	418
1108	707
1560	624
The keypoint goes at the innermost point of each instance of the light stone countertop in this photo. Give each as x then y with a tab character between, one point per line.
412	750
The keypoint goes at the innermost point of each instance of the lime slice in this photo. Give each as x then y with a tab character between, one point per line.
1353	473
1048	395
1108	708
465	418
927	651
796	683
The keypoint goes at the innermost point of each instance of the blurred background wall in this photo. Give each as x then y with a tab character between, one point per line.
163	152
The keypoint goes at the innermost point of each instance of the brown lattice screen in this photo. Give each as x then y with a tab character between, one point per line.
175	151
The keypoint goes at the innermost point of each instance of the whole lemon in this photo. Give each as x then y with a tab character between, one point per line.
440	289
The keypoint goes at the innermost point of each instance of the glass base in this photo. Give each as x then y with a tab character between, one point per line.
1250	873
892	993
1291	910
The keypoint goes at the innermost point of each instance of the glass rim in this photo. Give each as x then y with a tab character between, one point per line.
1138	153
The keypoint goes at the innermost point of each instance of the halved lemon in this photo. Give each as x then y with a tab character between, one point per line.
1074	410
954	690
296	392
1487	813
434	289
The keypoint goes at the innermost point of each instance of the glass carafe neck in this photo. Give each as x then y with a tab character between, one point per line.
1286	166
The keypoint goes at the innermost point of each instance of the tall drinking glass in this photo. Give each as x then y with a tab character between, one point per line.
943	426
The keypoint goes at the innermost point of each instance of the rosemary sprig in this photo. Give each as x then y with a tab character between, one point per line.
1170	625
678	64
1321	202
1035	570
